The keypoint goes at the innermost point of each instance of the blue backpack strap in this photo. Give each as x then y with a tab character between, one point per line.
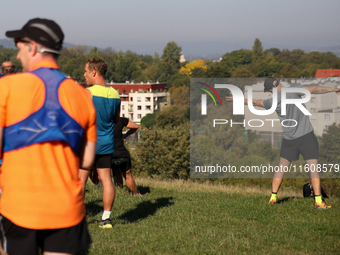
52	79
49	123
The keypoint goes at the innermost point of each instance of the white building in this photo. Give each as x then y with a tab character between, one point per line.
182	59
140	104
139	99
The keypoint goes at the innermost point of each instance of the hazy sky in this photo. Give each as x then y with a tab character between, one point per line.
129	23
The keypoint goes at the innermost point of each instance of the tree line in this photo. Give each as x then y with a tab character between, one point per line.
243	63
168	130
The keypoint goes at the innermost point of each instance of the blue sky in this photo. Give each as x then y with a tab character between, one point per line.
134	24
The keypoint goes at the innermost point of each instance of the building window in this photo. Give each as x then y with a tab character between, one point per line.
118	90
131	99
327	116
147	99
124	91
326	127
313	122
123	115
123	107
321	72
131	116
313	100
148	107
131	90
313	110
139	116
139	99
139	107
140	90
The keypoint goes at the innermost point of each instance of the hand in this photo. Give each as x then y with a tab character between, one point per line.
229	98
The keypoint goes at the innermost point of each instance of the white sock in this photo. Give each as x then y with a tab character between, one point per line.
106	215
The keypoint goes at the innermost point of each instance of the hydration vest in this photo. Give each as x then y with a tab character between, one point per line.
49	123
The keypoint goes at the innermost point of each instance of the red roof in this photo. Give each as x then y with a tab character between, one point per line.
124	89
324	73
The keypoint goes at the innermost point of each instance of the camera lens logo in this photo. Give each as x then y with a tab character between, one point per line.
204	97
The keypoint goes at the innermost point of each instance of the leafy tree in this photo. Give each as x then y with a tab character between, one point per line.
295	56
272	51
156	58
217	70
75	68
171	56
283	56
178	80
149	120
236	59
147	59
161	72
2	58
310	70
128	67
242	73
165	153
257	50
198	73
189	67
171	116
180	96
291	71
79	50
330	146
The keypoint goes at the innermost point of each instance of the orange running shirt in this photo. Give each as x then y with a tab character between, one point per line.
40	184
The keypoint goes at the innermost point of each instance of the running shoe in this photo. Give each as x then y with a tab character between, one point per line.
105	223
272	202
322	206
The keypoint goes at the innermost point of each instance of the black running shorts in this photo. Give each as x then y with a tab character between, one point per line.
307	145
103	161
18	240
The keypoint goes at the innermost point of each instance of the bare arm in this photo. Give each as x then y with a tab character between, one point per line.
256	102
133	127
321	90
87	155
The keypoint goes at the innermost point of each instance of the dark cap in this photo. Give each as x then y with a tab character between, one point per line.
270	83
43	31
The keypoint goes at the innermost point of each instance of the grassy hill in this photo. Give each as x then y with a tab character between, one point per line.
189	218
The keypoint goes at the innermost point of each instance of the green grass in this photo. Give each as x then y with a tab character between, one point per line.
191	218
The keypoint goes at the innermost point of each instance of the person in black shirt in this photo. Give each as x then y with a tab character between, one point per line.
121	156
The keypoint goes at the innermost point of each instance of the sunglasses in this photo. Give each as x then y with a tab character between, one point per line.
16	40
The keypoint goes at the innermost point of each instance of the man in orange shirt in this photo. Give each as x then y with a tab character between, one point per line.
47	132
7	68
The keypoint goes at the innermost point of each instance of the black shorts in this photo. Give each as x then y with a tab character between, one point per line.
121	160
307	145
18	240
103	161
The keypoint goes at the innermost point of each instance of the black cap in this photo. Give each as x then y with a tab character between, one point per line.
43	31
270	83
